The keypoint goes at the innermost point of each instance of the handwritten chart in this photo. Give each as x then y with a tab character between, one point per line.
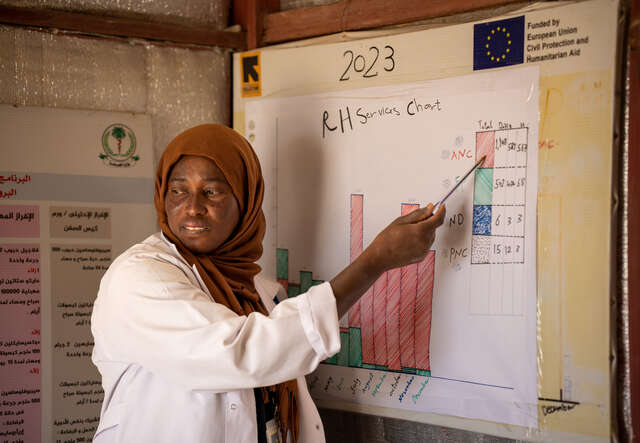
499	219
455	333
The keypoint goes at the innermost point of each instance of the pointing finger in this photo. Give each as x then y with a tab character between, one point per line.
437	218
440	213
418	215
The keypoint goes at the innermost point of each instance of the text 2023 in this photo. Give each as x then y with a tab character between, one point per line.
367	64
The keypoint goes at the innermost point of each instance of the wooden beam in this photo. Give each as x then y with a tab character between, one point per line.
250	15
244	14
633	221
296	24
92	24
353	15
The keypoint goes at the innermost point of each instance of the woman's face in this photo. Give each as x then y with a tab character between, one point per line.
201	209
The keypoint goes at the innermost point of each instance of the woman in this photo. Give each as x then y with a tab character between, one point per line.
188	342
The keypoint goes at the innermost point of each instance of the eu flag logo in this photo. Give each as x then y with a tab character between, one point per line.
499	43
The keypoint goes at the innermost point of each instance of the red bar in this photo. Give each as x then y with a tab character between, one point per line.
485	142
355	249
408	289
393	319
357	203
354	315
366	327
423	310
379	319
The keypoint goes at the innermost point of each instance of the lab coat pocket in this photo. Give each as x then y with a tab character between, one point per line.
109	420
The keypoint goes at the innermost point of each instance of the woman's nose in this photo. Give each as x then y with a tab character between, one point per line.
195	204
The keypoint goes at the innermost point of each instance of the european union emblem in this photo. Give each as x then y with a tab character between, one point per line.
499	43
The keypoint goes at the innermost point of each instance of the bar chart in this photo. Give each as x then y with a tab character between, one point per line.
389	328
454	333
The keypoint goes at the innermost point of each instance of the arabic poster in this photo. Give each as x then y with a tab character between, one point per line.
70	201
20	323
75	272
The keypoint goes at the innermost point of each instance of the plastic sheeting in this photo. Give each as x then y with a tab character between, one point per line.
179	88
185	88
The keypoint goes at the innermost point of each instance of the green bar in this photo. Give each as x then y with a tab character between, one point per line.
294	290
368	366
408	370
423	372
282	263
332	360
305	281
382	367
355	347
316	282
483	187
343	355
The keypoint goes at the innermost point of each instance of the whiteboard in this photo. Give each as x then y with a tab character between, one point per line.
455	333
574	48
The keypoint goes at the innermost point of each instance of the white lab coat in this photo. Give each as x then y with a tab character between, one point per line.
178	367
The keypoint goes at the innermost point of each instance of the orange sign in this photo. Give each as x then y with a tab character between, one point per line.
251	81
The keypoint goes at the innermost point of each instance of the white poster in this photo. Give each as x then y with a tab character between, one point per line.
76	189
456	333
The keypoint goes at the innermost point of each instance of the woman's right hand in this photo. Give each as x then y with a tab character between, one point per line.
405	241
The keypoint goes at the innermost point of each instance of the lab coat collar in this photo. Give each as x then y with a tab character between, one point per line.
177	254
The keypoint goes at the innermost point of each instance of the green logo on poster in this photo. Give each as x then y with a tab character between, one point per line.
119	146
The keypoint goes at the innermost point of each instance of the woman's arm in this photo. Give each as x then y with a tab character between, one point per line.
149	313
406	240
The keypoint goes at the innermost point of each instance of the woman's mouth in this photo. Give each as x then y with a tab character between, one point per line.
194	229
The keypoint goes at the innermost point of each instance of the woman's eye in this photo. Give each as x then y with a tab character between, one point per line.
210	192
175	191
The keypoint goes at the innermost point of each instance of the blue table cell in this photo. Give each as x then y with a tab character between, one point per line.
482	219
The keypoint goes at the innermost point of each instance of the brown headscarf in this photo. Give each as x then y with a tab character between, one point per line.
229	270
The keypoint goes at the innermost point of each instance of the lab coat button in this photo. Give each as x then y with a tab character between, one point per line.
232	406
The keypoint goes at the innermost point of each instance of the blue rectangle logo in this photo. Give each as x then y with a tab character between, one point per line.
499	43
